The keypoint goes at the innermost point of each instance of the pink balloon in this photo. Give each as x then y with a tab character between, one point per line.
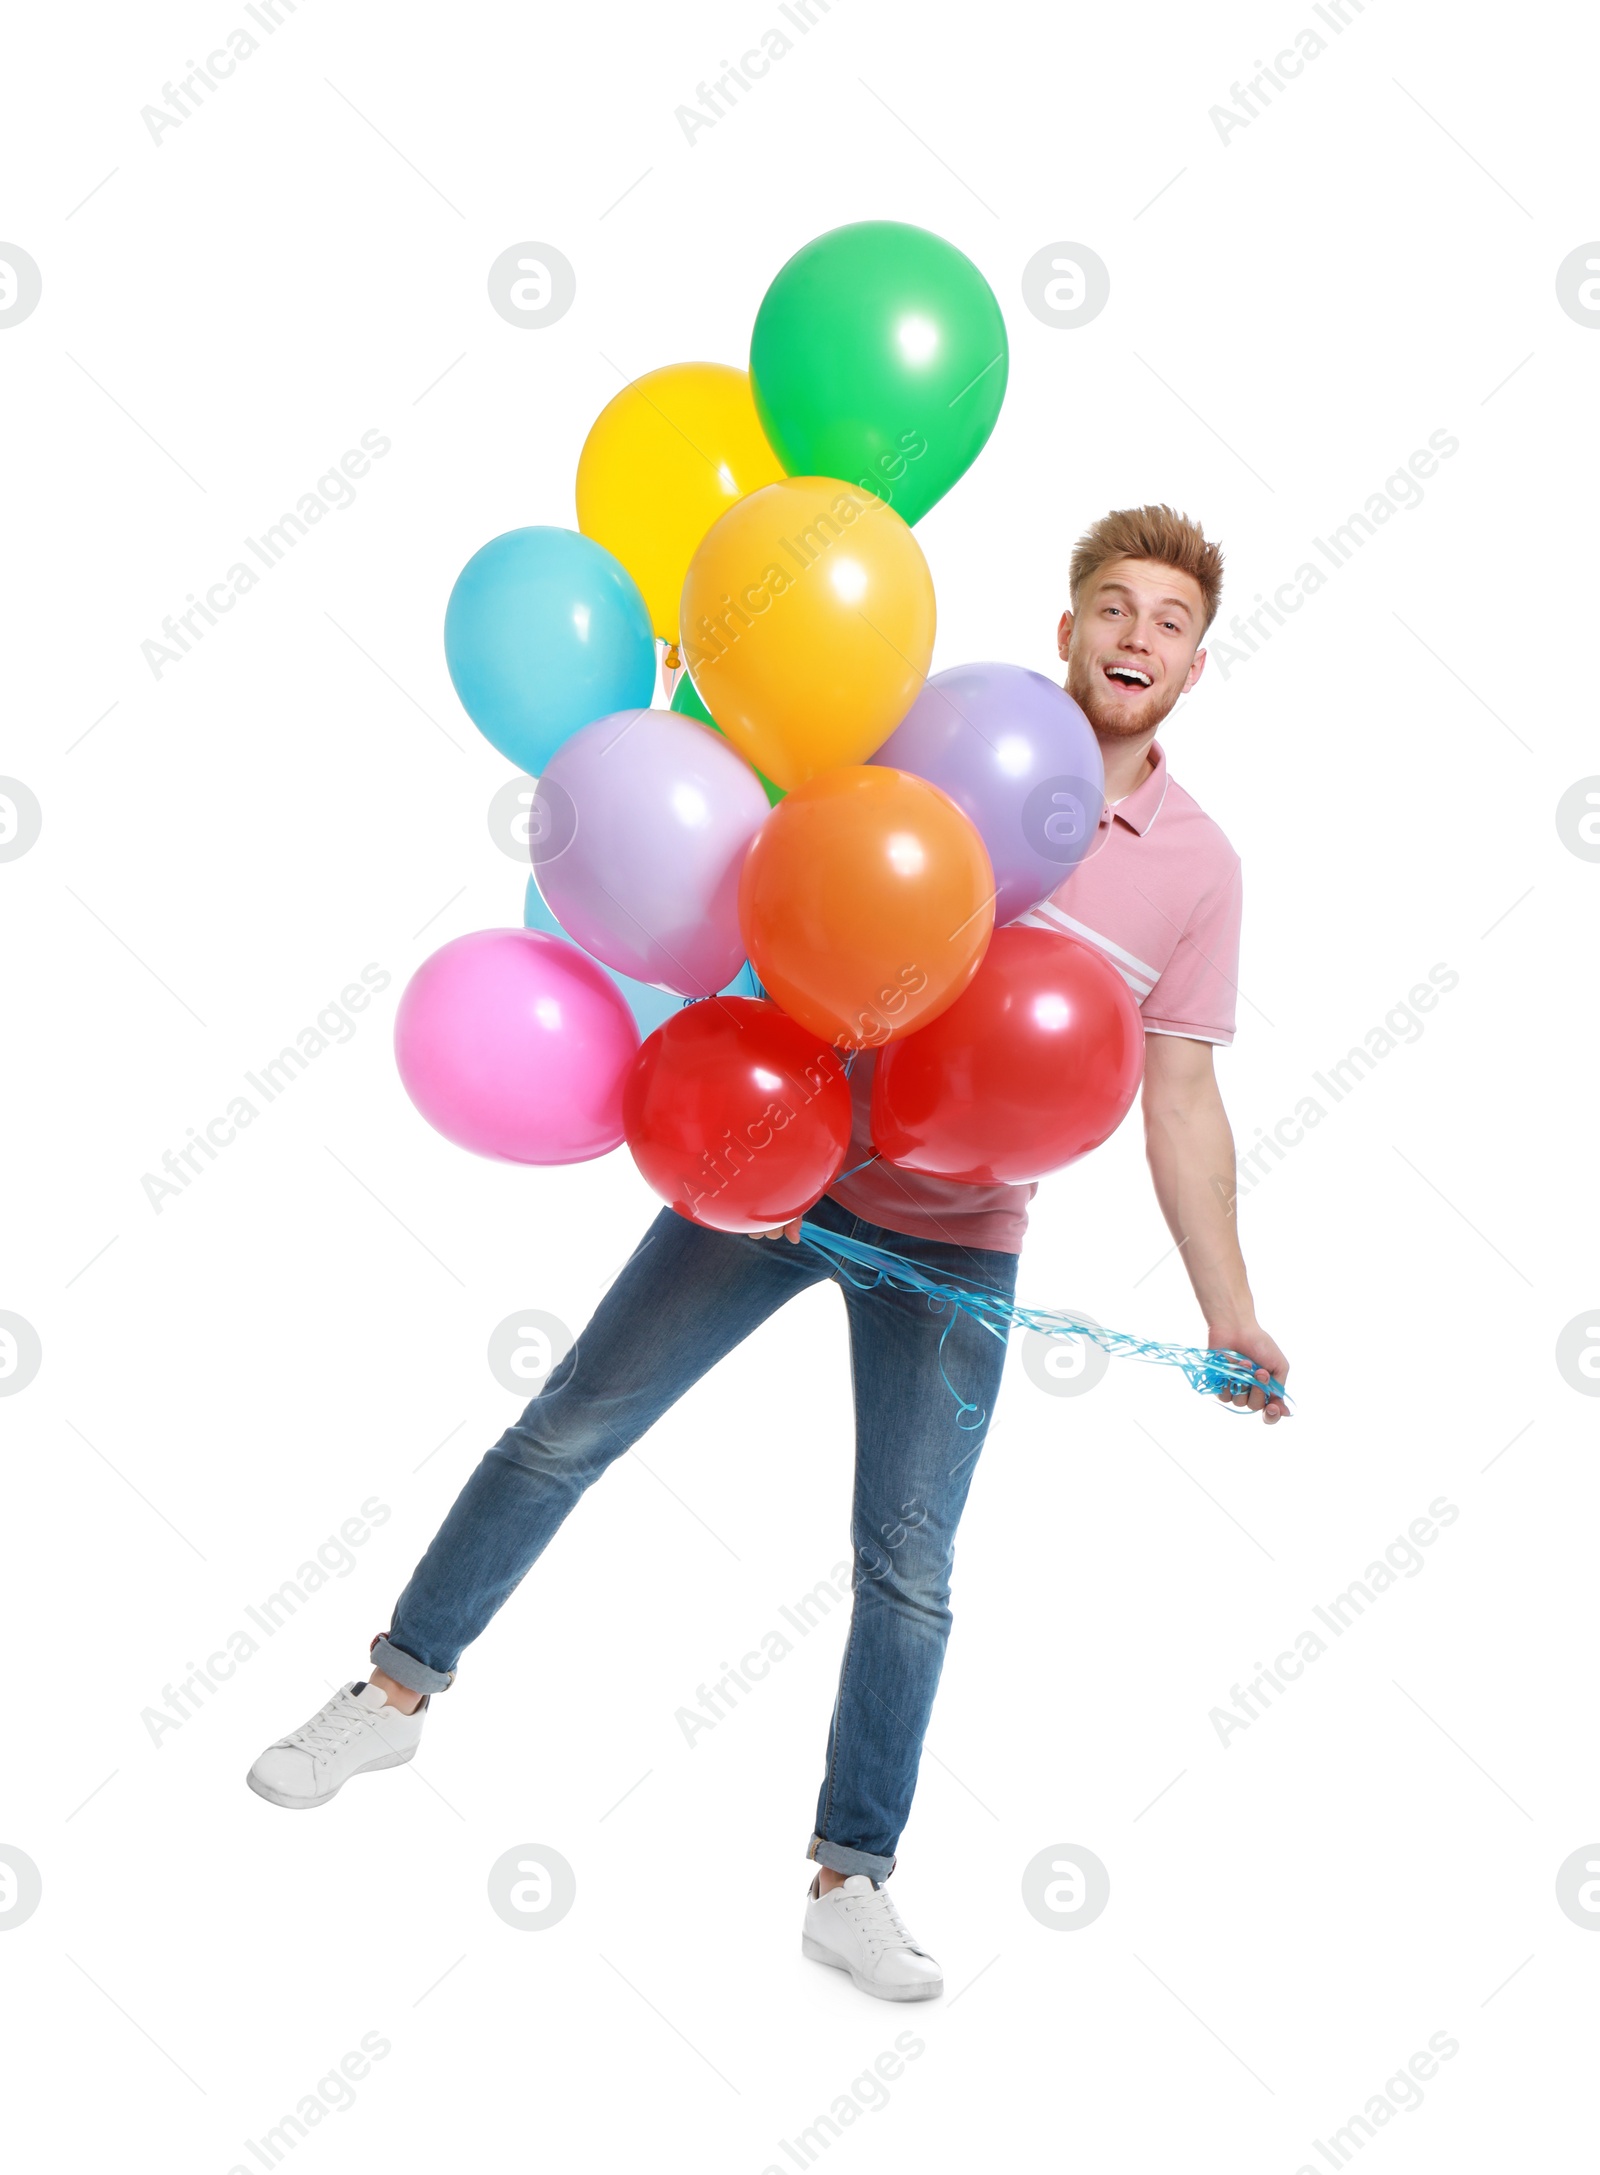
513	1044
641	824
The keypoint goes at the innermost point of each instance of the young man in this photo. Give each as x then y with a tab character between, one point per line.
1159	896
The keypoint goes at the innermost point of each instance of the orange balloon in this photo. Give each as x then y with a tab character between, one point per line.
807	619
866	903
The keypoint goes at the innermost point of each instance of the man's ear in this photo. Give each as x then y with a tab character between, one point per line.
1195	669
1064	635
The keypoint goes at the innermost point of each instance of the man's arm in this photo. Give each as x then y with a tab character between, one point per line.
1189	1144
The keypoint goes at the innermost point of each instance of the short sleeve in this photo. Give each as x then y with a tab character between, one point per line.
1196	992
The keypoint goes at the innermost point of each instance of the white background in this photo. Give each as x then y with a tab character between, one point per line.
1292	313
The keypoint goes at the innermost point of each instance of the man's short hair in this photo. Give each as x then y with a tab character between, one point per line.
1151	532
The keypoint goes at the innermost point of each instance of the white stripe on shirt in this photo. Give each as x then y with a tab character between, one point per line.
1139	976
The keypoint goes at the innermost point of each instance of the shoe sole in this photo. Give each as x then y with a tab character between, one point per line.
820	1955
310	1804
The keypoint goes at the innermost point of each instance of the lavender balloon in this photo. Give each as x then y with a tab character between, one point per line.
1020	759
638	831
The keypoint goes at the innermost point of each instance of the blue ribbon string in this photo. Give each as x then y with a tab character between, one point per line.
1209	1372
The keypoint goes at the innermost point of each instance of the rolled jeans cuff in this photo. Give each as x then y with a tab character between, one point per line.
839	1858
405	1668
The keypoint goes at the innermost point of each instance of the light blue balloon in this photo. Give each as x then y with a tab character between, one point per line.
544	632
650	1005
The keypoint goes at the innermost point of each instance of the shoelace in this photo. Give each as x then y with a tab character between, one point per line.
870	1913
329	1730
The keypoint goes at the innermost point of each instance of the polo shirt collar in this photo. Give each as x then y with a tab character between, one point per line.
1141	807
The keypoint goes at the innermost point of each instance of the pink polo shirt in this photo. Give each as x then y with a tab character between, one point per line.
1159	894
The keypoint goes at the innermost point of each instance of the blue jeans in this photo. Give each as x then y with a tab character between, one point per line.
685	1297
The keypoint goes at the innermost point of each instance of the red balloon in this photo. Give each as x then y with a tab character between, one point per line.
1034	1064
737	1115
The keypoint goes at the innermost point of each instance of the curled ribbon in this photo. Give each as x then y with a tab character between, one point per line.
1209	1372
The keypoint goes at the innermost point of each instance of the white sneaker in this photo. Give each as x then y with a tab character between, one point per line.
857	1929
357	1731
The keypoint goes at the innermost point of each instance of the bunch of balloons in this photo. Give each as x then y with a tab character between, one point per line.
816	849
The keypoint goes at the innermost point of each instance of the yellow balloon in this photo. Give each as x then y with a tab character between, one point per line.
807	623
662	462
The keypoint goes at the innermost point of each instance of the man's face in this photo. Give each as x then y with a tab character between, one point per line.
1133	646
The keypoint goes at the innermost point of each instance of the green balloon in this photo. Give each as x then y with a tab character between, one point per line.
687	703
879	356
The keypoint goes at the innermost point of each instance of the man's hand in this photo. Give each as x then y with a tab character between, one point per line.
781	1231
1252	1340
1190	1147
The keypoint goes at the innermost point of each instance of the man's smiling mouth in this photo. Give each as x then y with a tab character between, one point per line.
1132	676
